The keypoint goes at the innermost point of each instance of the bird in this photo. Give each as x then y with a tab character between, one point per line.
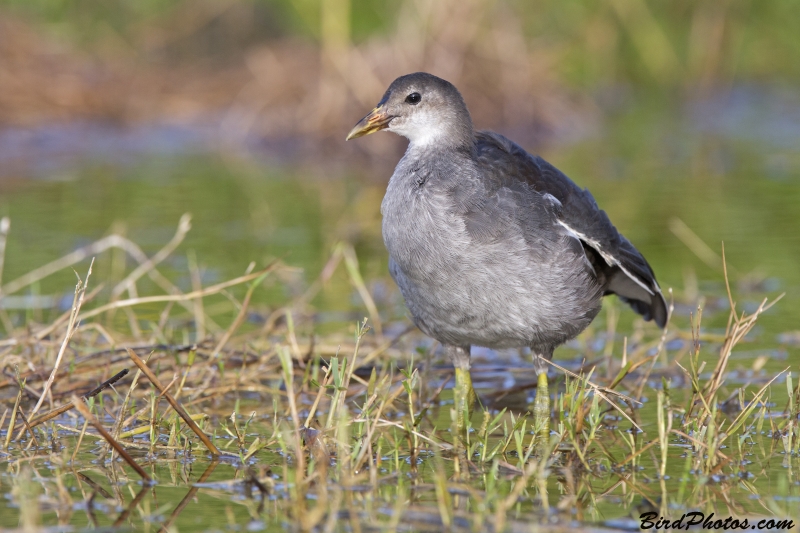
492	246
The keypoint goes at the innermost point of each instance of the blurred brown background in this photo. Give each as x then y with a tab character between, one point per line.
306	69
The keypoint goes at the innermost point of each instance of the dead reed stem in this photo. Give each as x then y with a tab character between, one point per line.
124	407
80	292
174	403
13	420
83	409
27	427
67	407
240	316
214	289
68	260
738	327
604	393
184	225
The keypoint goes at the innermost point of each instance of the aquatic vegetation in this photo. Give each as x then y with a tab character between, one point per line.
262	425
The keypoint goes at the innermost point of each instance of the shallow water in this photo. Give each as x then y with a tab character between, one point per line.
194	493
676	178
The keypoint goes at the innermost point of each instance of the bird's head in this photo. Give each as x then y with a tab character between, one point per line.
422	108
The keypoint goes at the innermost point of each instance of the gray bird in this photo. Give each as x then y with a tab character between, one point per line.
492	246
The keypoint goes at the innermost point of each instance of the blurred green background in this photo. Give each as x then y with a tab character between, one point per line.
682	117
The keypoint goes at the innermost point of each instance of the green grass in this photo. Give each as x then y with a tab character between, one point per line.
348	429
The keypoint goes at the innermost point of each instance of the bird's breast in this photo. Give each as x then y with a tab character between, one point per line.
419	229
491	288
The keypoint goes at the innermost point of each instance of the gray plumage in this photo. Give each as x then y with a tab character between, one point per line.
490	245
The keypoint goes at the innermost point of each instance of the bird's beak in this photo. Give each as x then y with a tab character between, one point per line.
377	119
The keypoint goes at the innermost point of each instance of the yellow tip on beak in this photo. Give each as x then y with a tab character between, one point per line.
376	120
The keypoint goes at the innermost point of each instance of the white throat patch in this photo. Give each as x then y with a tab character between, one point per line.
421	129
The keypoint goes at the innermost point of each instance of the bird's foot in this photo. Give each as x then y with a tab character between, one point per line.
541	412
464	396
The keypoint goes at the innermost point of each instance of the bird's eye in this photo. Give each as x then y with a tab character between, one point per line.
413	98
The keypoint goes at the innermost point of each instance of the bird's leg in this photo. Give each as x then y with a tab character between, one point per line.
463	393
541	405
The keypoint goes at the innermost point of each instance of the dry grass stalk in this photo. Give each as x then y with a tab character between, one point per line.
199	308
49	415
39	336
26	427
123	408
184	225
738	327
240	316
112	242
174	403
362	417
13	420
604	393
83	409
214	289
80	292
81	434
68	260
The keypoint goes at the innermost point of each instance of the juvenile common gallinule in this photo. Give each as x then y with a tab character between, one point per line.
492	246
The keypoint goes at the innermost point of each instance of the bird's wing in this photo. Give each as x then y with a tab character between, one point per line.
627	273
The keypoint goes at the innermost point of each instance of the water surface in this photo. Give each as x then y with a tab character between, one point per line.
677	178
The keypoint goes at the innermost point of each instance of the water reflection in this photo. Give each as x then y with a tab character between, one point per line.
678	179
